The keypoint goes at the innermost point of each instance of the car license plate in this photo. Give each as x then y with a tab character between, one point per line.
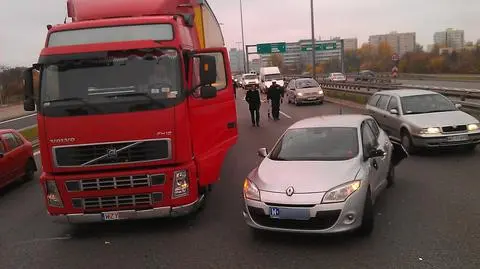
289	213
109	216
312	98
457	138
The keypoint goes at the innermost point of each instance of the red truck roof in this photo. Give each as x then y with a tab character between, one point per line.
82	10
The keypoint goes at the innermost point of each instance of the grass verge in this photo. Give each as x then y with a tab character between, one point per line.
357	98
30	133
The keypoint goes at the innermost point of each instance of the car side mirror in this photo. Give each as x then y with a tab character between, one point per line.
262	152
458	106
207	92
28	102
208	70
373	153
394	111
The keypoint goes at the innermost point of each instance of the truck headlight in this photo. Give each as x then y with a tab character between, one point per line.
250	190
473	127
341	193
53	195
180	184
430	130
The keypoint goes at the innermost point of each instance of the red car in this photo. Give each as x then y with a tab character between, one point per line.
16	158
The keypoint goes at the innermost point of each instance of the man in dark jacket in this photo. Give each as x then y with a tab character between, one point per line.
253	100
275	95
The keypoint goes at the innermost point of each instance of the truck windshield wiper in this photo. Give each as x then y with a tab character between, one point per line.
153	100
81	100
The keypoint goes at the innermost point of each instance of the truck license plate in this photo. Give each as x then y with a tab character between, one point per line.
457	138
109	216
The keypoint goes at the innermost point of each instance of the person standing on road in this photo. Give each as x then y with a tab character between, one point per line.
253	99
275	95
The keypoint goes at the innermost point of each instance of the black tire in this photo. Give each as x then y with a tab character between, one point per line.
407	143
295	101
391	176
470	148
368	218
29	170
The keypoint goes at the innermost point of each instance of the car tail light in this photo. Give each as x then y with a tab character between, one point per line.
53	195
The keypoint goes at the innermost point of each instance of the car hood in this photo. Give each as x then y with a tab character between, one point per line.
440	119
303	176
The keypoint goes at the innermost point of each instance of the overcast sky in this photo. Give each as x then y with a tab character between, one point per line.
23	22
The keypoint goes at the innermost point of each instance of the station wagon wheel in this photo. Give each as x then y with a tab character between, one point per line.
407	142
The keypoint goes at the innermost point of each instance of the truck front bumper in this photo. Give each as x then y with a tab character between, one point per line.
159	212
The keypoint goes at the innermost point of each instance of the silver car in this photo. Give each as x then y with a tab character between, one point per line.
423	119
322	176
304	90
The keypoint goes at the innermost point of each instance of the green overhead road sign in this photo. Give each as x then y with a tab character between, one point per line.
324	46
268	48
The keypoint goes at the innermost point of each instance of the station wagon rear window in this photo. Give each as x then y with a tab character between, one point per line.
161	32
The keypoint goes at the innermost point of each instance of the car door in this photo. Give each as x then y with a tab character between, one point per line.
392	121
4	163
369	142
381	109
13	157
383	143
213	120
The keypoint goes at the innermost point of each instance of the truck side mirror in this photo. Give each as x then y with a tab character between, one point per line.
208	70
28	102
208	91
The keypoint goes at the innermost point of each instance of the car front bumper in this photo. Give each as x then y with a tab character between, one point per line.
310	99
324	218
160	212
445	140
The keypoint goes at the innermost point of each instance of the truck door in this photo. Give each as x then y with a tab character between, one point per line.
213	120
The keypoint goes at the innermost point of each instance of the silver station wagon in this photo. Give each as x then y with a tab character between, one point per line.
423	119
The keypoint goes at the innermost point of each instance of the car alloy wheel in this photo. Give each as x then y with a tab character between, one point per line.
407	143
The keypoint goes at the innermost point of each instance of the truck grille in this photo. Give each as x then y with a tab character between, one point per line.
110	183
112	153
451	129
117	201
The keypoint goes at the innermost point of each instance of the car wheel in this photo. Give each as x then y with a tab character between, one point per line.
295	101
391	176
29	171
407	143
368	218
470	148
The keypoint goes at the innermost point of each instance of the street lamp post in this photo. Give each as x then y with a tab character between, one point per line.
313	40
245	57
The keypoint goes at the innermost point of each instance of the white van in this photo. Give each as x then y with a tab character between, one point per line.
267	75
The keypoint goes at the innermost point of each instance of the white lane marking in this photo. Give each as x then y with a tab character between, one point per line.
23	117
284	114
36	153
43	240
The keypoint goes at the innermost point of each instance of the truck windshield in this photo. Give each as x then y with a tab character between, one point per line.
121	82
273	77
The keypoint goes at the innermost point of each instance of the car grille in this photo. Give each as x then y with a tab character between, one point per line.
310	94
112	153
323	220
110	183
113	202
452	129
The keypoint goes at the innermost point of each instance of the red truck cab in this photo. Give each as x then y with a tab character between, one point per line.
136	109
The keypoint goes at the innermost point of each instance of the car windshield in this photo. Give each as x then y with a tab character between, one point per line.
273	77
250	77
140	78
317	144
306	83
427	103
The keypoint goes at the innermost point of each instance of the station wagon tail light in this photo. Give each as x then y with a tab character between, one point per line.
430	130
473	127
180	184
250	190
341	193
53	195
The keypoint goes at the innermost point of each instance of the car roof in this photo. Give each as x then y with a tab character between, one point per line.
406	92
3	131
350	120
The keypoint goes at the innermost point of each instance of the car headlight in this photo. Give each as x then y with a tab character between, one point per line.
473	127
341	193
299	94
430	130
250	190
320	92
180	184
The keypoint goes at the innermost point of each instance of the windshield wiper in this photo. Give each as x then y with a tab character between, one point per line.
81	100
130	94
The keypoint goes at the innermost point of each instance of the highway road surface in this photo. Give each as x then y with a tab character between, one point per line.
430	219
446	84
19	123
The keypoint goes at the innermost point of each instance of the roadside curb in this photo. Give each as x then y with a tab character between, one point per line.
345	103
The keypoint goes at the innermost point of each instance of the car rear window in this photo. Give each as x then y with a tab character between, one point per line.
317	144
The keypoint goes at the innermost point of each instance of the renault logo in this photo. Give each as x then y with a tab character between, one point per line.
290	191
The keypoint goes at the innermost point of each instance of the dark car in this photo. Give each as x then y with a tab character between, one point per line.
366	75
16	158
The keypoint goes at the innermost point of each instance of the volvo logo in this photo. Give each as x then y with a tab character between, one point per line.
112	153
290	191
62	140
